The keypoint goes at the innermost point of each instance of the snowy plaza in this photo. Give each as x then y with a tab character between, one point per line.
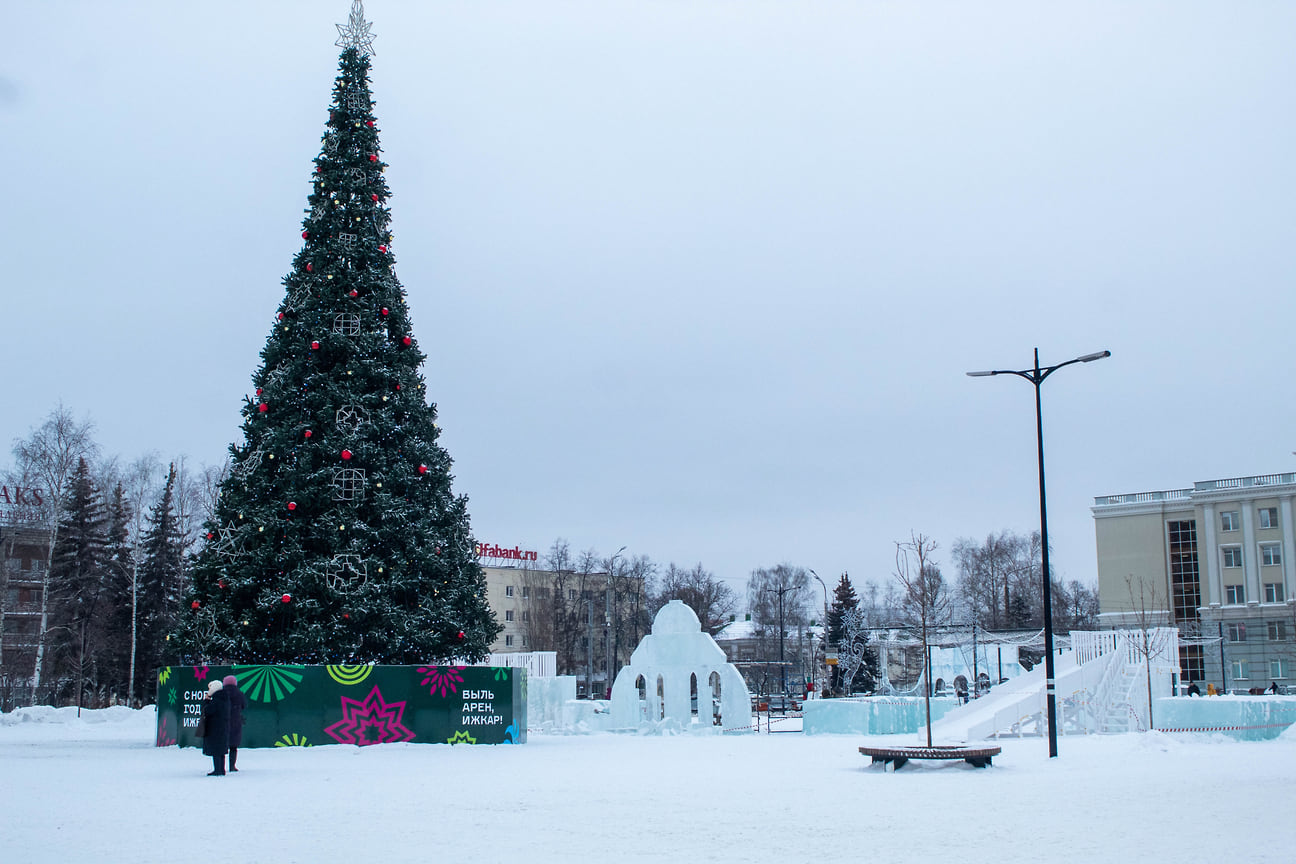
98	788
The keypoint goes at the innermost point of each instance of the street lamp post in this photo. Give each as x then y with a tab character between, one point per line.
607	619
827	671
1036	377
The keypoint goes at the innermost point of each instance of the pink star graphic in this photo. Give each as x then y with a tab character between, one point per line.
200	673
372	721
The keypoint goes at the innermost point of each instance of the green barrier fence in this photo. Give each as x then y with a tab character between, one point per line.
304	706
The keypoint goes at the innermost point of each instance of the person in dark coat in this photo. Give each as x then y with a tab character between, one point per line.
237	702
216	742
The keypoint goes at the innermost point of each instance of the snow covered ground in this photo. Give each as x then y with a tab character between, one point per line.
97	789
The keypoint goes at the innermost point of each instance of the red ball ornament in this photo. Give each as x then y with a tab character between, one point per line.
353	293
314	346
305	234
292	505
382	248
307	433
373	157
258	391
194	605
385	312
397	386
211	536
369	123
373	196
346	454
422	469
461	635
309	267
346	615
287	598
407	341
280	316
263	407
220	584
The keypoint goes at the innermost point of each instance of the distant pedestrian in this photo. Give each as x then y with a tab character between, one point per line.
1273	687
237	702
216	741
1193	689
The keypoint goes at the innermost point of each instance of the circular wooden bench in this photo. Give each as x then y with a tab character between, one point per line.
978	757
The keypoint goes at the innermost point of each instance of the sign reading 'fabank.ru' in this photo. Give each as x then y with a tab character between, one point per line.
304	706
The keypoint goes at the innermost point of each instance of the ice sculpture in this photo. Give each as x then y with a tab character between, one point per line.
678	677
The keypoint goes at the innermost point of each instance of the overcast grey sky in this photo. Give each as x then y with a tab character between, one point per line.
697	278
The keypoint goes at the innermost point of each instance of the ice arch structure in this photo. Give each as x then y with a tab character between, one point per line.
673	664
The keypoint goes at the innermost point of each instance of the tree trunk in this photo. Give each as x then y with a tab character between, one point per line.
44	610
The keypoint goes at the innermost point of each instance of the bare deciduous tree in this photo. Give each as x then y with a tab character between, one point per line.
713	600
1151	613
924	601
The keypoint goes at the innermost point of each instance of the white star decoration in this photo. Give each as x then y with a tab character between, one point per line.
355	33
226	541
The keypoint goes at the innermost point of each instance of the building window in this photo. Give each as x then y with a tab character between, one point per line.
524	640
1268	517
1229	520
508	590
1277	631
1271	554
1184	576
1234	595
571	593
508	642
1237	632
526	592
1232	555
1240	670
1277	668
526	614
1273	592
508	615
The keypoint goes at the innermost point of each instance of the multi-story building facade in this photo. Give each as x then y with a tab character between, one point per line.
24	554
1217	560
585	617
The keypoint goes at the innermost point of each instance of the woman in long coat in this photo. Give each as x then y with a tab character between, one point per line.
216	741
237	702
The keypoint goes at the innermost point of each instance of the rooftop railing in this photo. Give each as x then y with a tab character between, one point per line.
1199	486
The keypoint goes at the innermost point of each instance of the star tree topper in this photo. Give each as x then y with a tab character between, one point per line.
355	33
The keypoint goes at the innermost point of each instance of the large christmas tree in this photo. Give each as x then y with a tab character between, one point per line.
337	538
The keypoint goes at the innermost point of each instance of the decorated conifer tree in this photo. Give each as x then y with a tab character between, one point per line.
336	537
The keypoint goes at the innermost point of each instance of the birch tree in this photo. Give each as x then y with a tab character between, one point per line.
49	455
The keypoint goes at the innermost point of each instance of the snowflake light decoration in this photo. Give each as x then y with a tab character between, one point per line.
345	572
349	484
346	323
351	417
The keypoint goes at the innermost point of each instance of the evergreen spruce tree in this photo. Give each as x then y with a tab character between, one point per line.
336	536
161	586
119	567
845	601
77	582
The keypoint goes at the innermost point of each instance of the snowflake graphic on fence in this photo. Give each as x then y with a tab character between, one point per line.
446	679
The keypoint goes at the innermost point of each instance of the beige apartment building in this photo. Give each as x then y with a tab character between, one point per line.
1217	560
